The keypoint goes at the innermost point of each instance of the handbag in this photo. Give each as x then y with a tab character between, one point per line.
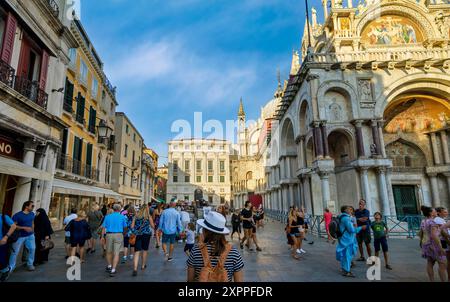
132	239
47	245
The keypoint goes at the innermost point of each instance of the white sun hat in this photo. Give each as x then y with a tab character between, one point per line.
214	222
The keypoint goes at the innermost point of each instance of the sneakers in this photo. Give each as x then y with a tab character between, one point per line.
259	249
298	251
169	259
108	269
134	273
389	267
131	257
5	276
31	268
124	259
113	274
303	251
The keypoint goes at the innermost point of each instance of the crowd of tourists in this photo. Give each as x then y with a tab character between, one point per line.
125	233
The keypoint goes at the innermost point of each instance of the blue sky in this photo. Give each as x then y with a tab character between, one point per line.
171	58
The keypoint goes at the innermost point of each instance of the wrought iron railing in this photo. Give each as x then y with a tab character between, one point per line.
31	90
407	226
68	164
6	73
54	7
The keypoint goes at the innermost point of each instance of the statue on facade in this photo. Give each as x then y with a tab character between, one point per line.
442	24
338	3
365	91
373	149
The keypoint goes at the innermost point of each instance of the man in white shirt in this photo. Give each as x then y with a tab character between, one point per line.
185	218
73	215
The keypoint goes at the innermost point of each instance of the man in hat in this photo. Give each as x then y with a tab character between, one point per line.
170	225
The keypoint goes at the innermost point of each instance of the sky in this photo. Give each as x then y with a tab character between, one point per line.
171	58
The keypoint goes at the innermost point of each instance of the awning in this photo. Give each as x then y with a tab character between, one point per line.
131	197
16	168
72	188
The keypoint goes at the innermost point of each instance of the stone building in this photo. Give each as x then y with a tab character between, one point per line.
127	161
149	170
199	169
84	163
366	113
34	47
248	166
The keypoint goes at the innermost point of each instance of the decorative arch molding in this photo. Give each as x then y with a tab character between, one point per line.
287	122
342	87
292	120
348	131
414	145
408	10
432	81
302	122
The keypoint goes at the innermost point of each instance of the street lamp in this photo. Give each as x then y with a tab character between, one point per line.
103	129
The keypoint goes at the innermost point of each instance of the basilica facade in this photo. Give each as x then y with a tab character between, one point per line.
366	113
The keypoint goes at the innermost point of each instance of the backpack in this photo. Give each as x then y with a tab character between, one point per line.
218	273
335	229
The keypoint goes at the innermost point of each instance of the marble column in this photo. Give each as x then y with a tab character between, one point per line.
434	147
24	185
382	187
376	136
381	138
434	190
307	194
293	200
288	172
444	144
326	149
363	171
280	199
303	144
325	183
447	176
359	138
318	141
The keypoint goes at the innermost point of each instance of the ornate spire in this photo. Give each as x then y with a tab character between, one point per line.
279	91
295	66
241	109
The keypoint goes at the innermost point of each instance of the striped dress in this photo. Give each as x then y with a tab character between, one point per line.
233	263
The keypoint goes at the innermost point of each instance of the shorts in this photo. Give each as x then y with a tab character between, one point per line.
95	233
254	230
444	245
142	242
364	236
126	242
114	243
67	240
169	238
75	243
298	235
188	247
381	241
237	228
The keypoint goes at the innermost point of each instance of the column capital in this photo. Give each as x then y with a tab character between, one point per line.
358	122
381	170
315	124
324	174
311	77
374	123
432	174
446	174
363	169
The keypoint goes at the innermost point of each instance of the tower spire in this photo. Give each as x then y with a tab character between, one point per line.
241	108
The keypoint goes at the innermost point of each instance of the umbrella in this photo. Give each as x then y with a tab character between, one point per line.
159	200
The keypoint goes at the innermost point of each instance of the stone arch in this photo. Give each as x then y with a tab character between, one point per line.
303	116
274	149
409	10
343	88
288	146
341	146
406	154
436	83
309	145
249	175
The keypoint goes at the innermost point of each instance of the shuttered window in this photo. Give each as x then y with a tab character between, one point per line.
92	119
8	39
80	108
68	96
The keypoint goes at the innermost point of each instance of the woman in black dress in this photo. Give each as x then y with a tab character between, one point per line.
42	231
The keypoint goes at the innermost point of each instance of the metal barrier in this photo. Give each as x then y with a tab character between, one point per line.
399	226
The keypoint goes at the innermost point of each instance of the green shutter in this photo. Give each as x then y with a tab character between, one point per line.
89	155
68	96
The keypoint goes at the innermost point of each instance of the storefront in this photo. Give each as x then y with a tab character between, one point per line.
16	177
69	195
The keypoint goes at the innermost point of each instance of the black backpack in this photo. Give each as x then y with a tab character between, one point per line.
335	228
5	229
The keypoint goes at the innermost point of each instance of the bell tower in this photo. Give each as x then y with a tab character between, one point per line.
242	130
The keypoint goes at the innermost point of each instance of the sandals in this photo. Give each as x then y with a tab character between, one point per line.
348	275
144	267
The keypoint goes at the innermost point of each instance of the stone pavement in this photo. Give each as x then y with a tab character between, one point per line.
273	264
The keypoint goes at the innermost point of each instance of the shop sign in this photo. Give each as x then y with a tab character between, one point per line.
10	148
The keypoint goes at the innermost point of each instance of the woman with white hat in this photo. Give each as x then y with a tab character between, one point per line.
205	258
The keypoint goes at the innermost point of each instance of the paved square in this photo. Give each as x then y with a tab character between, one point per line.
273	264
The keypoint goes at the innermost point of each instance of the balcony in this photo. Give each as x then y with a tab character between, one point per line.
6	74
70	165
31	90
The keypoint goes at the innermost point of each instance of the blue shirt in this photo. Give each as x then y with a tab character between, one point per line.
361	214
115	223
348	233
170	222
24	220
8	221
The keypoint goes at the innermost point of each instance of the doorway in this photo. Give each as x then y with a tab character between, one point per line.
405	198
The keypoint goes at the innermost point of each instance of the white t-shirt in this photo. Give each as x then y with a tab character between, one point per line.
206	210
190	237
185	217
441	221
67	220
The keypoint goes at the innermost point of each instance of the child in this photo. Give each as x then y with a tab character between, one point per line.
190	238
80	232
380	231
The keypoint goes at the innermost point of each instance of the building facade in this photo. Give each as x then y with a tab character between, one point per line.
127	161
366	113
34	43
84	162
149	177
199	169
161	182
248	167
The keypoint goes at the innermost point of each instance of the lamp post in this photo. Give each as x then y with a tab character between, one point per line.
104	130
